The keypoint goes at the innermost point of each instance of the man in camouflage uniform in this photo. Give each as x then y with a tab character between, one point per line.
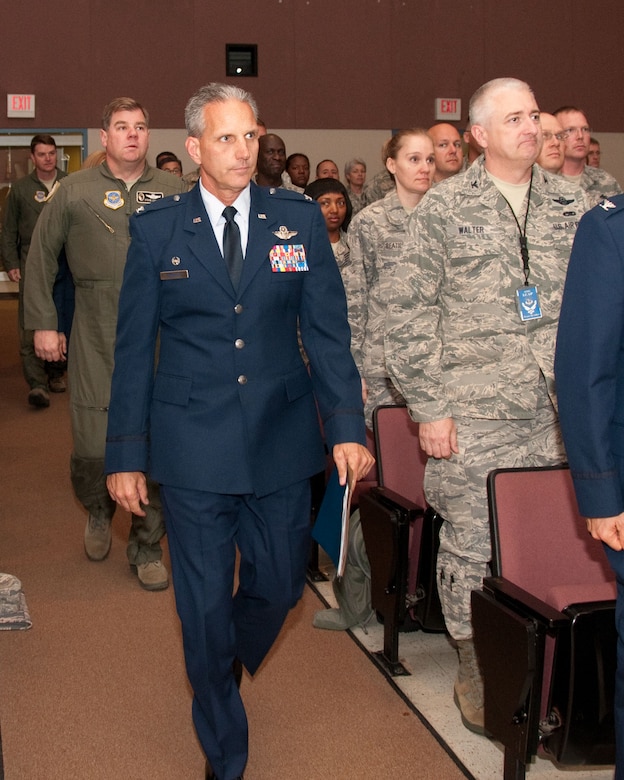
470	339
597	183
89	215
448	150
552	156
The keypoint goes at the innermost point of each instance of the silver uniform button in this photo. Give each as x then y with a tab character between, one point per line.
238	308
242	379
239	343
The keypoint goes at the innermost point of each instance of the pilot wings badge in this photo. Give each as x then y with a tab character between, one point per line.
284	233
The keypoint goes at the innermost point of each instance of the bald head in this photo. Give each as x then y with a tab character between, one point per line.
447	148
271	160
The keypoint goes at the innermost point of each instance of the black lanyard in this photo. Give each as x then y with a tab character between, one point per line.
524	248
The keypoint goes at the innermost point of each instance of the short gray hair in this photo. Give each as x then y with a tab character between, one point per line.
349	166
213	93
482	103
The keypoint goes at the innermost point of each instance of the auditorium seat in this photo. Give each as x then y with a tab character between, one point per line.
401	535
544	625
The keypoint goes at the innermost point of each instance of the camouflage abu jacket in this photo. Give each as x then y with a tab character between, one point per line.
455	344
377	238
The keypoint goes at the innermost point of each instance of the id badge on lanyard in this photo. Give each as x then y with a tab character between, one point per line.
527	299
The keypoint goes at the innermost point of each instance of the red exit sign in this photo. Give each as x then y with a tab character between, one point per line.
448	108
22	106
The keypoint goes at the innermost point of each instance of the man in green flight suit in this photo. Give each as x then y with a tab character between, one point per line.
25	202
89	215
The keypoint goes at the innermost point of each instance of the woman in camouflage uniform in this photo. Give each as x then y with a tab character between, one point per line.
376	238
332	197
355	174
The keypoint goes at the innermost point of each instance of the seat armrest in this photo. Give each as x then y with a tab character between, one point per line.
521	600
390	497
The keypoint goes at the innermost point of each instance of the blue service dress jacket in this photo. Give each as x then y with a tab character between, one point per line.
589	361
228	405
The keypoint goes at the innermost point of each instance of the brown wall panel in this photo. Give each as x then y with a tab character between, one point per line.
142	49
344	63
361	64
438	49
269	24
531	36
45	51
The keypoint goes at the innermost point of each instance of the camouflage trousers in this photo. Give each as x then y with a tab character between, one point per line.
381	392
456	488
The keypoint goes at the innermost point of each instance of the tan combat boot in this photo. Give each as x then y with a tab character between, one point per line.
468	692
98	536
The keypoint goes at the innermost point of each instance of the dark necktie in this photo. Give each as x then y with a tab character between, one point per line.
232	250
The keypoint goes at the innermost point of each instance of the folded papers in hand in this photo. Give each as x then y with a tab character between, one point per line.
331	529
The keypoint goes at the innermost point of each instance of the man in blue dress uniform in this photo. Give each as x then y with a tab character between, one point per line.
589	369
228	423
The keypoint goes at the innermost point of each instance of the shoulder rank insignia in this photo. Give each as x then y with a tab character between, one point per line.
284	233
563	201
607	204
